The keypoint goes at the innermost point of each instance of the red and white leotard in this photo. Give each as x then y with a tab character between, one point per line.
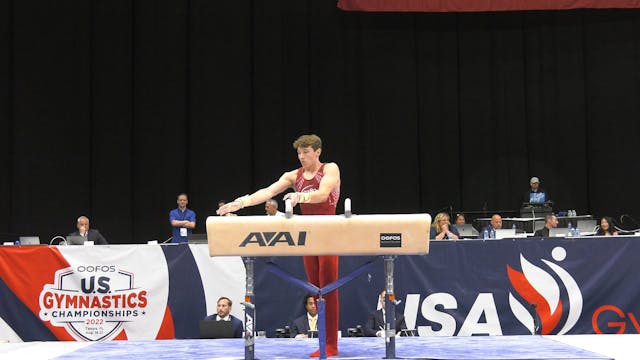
324	208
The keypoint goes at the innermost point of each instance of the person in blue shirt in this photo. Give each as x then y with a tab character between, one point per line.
496	223
182	220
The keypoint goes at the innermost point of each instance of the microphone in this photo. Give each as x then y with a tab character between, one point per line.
62	241
166	241
248	304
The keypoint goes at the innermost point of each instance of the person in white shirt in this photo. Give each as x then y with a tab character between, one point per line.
271	208
223	310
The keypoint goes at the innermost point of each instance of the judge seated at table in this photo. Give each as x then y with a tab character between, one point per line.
550	222
442	229
489	231
306	324
377	319
89	234
223	309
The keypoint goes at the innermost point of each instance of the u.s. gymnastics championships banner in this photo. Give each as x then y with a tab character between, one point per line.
461	288
480	5
112	292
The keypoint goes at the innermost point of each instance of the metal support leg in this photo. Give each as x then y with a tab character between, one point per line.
322	328
249	311
390	309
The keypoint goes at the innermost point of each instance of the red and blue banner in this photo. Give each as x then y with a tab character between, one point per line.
480	5
121	292
461	288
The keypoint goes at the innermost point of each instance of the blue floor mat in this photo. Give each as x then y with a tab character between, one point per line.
446	348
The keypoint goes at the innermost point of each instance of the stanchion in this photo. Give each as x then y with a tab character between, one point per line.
249	311
390	309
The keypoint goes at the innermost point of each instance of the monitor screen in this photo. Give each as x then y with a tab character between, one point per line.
536	197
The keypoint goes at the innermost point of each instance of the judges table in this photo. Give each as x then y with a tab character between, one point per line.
530	224
468	287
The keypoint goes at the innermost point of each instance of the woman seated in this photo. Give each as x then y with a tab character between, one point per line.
442	229
606	227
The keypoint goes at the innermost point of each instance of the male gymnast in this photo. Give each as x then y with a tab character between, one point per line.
317	189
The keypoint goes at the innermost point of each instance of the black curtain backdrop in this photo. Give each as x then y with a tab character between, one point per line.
112	108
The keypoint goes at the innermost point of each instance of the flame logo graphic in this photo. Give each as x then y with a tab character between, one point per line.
536	286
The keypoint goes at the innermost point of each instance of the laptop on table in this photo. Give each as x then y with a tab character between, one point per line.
29	240
467	231
558	232
75	240
505	233
587	227
212	329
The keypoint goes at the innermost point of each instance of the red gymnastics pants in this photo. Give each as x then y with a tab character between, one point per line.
321	271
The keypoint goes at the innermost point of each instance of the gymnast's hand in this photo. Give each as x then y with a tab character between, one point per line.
293	196
229	208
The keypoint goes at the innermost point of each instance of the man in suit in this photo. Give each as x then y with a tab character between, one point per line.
84	230
223	314
376	323
306	322
550	222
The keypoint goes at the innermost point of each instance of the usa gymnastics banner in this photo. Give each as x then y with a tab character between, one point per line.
550	286
116	292
509	287
480	5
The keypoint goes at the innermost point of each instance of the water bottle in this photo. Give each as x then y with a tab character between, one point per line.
514	228
485	234
569	229
492	234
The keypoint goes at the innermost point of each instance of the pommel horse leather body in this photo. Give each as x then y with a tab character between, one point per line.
392	234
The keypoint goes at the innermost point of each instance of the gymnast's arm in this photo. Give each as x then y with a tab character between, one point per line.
287	180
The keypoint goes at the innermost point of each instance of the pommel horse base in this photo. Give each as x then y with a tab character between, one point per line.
357	235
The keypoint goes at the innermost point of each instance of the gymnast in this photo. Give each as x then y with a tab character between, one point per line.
317	190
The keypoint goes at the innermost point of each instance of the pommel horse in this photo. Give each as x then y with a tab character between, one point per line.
356	235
